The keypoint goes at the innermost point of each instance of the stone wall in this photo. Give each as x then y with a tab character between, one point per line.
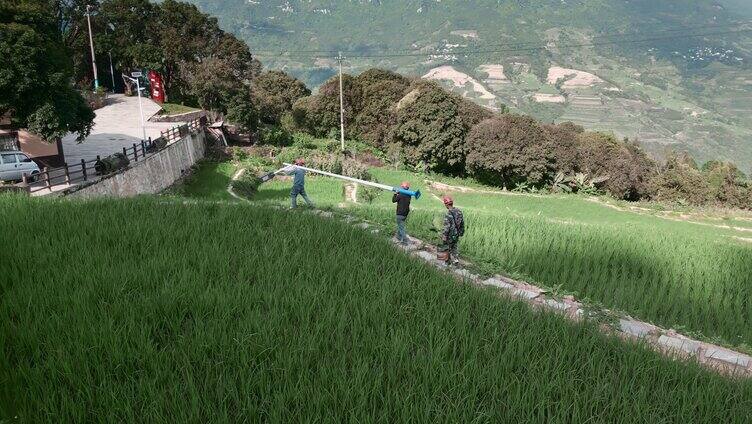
149	175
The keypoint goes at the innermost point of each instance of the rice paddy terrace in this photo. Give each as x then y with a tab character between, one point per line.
230	311
197	306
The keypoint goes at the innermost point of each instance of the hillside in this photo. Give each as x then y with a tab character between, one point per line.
675	90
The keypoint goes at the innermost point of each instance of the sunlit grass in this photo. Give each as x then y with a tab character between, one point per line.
150	310
680	275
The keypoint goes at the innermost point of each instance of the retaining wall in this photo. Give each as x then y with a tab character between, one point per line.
151	174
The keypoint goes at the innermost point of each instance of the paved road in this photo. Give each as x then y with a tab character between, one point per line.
117	125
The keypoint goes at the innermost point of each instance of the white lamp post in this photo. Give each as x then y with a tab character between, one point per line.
136	76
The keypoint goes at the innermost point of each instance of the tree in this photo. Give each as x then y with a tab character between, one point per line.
381	90
563	146
625	165
242	112
508	150
430	128
36	74
276	92
319	114
133	33
186	37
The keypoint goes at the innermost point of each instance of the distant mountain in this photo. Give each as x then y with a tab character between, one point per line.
671	73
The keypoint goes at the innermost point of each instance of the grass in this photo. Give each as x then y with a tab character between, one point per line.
696	278
227	312
208	181
176	109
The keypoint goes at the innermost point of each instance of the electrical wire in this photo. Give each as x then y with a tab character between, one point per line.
508	50
510	44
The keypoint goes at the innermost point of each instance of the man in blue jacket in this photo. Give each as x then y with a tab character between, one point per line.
403	208
298	183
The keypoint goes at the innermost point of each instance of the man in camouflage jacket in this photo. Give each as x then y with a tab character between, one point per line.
454	228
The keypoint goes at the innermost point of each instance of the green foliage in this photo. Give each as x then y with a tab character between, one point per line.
381	90
509	150
241	111
276	136
680	180
563	146
355	169
430	129
327	162
623	166
728	185
278	317
370	194
247	185
276	93
238	154
36	74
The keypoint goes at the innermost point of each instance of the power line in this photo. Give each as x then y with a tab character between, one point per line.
513	50
510	44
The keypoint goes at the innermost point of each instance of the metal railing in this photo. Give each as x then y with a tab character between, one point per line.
84	171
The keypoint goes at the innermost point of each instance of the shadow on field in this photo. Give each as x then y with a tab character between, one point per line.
207	182
277	194
646	285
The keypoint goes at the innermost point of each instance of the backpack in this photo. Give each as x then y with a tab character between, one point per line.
459	223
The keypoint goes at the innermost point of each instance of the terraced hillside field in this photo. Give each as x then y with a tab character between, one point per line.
168	311
670	74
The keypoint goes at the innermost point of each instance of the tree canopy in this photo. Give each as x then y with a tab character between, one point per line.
36	78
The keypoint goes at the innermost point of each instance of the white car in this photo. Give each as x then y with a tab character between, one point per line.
13	164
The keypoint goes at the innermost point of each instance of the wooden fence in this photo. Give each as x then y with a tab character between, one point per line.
84	171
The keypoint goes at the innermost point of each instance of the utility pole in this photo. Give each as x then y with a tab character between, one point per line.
91	43
112	74
112	71
341	106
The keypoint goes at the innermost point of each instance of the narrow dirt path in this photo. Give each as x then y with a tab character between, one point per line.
239	173
665	341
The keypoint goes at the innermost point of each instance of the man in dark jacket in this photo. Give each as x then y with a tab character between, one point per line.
454	228
403	209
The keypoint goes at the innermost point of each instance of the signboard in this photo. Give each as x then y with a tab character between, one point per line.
157	88
137	74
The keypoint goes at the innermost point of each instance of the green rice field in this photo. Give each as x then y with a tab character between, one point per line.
157	310
692	277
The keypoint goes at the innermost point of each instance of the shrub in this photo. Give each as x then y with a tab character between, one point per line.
509	150
626	168
368	193
276	136
327	162
247	185
238	154
727	184
355	169
680	180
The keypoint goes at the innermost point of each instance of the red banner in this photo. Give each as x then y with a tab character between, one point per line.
157	89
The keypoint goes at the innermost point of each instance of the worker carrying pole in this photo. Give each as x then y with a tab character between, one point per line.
401	190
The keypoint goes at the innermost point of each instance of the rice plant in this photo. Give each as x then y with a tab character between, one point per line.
153	310
681	275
